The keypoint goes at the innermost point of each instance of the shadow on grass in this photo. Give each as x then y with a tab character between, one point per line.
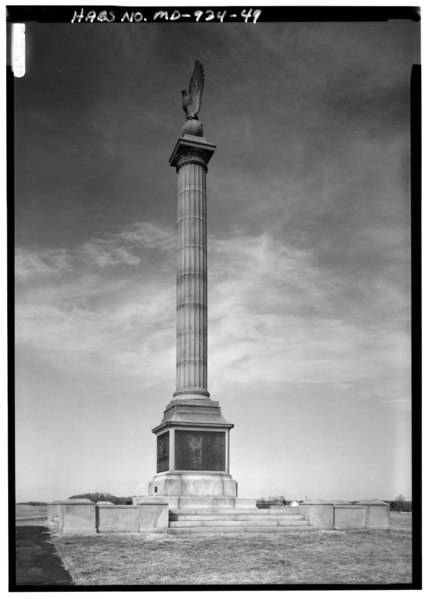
37	562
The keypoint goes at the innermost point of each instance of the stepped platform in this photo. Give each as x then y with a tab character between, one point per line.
225	520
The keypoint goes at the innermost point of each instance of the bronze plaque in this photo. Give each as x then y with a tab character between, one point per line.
163	452
200	450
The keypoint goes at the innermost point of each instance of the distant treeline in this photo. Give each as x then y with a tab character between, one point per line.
104	497
400	505
275	500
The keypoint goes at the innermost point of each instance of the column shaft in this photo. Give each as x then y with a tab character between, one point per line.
191	300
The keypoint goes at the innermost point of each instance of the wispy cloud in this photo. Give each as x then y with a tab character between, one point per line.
104	306
117	329
125	248
104	254
275	315
42	263
401	404
149	235
280	317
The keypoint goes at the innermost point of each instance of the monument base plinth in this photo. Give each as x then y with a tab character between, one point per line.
195	484
193	455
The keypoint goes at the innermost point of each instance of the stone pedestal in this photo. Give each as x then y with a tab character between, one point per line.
377	513
193	437
153	515
342	514
193	451
78	517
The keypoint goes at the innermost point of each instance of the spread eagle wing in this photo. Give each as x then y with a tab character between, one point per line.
196	86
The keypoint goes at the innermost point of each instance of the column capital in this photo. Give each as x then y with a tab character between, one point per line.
191	149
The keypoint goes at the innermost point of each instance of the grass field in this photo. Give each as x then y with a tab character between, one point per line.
29	515
294	557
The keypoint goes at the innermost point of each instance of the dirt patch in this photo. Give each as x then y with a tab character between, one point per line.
37	562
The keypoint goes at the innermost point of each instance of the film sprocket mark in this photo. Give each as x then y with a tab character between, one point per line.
18	49
104	16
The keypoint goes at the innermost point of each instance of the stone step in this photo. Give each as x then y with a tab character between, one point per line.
279	510
246	511
235	523
191	530
234	516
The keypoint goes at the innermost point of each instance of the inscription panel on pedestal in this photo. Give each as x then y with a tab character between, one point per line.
163	452
200	450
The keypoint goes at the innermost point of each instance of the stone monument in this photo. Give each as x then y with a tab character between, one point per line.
193	437
193	490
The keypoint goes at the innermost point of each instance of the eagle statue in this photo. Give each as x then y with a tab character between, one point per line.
191	99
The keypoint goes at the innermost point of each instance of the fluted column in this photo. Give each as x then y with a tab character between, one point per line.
190	158
191	299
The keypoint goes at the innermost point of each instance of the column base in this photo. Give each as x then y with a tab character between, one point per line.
193	411
197	394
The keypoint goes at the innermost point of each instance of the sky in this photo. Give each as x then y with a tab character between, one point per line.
308	253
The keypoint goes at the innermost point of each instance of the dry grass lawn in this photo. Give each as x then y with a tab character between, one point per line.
293	557
27	513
